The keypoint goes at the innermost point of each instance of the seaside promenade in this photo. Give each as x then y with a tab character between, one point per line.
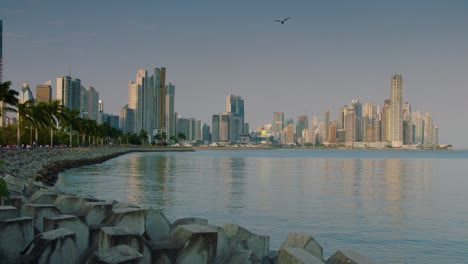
41	224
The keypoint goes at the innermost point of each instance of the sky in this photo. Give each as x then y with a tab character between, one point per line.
327	54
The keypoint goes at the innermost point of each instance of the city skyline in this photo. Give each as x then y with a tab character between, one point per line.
319	60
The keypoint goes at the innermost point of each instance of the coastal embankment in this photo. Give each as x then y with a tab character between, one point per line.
40	223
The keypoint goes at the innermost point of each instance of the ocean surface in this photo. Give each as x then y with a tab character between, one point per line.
390	205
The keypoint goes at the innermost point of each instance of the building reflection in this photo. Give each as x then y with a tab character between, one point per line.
232	170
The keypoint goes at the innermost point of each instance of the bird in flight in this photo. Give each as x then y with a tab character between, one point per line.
282	21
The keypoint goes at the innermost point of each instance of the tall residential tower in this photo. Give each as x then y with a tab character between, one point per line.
396	105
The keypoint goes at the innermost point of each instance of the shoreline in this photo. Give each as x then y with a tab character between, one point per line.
52	226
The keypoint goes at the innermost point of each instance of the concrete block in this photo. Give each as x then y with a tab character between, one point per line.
189	221
130	218
306	242
291	255
68	204
8	212
113	236
39	211
41	197
95	212
57	246
16	201
195	243
162	251
244	239
121	254
348	257
15	235
157	227
233	256
72	223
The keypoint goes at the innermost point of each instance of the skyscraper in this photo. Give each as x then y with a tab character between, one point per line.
89	103
302	123
350	126
358	117
169	117
1	51
68	92
25	94
162	98
44	93
126	119
327	124
235	105
224	127
215	123
278	123
396	104
386	125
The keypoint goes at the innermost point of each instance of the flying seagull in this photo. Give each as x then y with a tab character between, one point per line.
282	21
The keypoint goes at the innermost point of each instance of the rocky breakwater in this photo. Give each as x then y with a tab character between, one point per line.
42	224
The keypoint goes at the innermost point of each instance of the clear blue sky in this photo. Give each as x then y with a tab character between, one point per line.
328	53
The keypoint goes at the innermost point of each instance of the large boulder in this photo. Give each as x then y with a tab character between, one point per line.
15	235
292	255
244	239
195	243
300	240
121	254
348	257
57	246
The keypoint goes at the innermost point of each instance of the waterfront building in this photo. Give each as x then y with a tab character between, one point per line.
396	104
182	126
358	119
127	119
224	127
206	133
386	121
44	92
246	129
169	111
25	94
69	92
370	135
100	119
162	91
377	129
370	110
89	103
350	126
302	123
278	122
288	134
407	132
418	123
332	132
429	139
1	51
235	105
215	124
327	123
198	130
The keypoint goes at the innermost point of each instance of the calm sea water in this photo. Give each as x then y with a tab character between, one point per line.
392	206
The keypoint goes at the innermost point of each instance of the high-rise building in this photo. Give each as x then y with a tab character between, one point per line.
215	124
358	117
198	130
161	111
332	132
246	129
418	131
169	111
100	119
302	123
350	126
44	92
25	94
126	119
288	134
224	127
235	105
327	124
428	130
89	103
206	133
371	110
386	121
278	122
69	92
1	51
396	104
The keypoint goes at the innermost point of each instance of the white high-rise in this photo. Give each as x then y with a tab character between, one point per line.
68	92
169	111
25	94
396	105
89	103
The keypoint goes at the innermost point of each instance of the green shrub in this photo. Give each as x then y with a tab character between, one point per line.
3	189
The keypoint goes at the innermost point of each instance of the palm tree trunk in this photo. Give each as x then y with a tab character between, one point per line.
71	139
51	137
18	133
36	136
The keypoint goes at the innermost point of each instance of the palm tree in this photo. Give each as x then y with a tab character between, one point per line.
70	118
39	119
181	136
23	111
8	97
143	136
52	110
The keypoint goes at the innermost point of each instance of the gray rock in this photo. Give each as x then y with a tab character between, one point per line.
130	218
15	235
291	255
113	236
41	197
94	213
57	246
247	240
348	257
234	256
189	221
308	243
